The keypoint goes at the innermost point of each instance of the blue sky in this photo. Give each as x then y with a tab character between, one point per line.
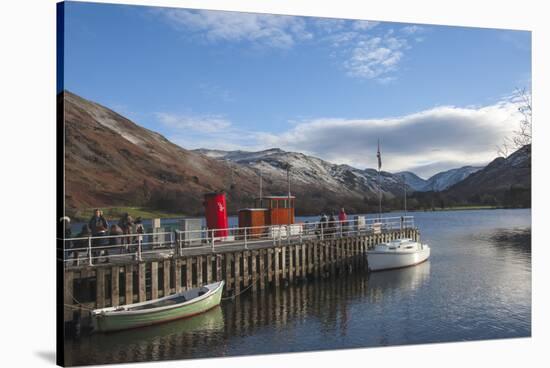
437	97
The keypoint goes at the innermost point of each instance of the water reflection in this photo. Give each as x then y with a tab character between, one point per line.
405	279
476	285
158	342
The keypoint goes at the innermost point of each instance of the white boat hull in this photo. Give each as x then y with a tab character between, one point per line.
384	258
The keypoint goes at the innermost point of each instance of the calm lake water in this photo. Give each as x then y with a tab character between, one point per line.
476	285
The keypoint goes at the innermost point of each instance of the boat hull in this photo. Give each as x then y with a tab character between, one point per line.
128	320
378	261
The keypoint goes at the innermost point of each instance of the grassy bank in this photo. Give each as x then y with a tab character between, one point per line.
458	208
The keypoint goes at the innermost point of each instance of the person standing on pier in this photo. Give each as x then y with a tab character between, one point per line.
343	218
125	223
332	224
99	226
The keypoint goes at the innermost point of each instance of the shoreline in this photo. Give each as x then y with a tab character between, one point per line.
114	213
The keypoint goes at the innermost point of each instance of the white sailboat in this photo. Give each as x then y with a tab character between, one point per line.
397	253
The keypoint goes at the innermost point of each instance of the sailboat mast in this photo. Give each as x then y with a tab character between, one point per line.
379	197
379	157
405	199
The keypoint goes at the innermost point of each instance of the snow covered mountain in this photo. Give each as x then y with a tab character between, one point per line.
312	171
439	181
413	180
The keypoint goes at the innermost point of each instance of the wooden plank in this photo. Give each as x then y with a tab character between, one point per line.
315	261
290	264
68	277
262	269
218	267
166	277
208	269
177	275
332	256
100	288
283	263
154	280
276	273
141	283
246	255
237	276
269	265
228	278
199	261
129	284
254	268
297	264
115	288
189	274
304	260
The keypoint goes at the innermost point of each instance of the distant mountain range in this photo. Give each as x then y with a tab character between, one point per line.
439	181
111	161
504	181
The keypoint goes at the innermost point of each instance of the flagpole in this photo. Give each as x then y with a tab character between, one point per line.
379	188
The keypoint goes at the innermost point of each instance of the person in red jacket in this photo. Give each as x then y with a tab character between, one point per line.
343	218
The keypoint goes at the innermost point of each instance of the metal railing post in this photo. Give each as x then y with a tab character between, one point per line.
245	244
90	259
212	240
322	232
288	234
139	248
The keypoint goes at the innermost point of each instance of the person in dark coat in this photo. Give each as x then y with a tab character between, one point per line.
99	226
323	223
332	224
125	223
116	240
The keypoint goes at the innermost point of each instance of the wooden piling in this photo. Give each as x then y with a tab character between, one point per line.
115	289
166	277
154	280
100	287
129	284
141	283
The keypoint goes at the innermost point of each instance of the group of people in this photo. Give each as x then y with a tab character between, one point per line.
104	234
330	225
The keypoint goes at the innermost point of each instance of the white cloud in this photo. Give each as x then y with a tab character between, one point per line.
412	29
362	25
427	141
366	52
196	123
374	57
263	29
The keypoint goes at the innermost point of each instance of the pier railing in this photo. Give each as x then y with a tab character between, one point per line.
93	250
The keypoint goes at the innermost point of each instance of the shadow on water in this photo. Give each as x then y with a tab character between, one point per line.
514	239
318	307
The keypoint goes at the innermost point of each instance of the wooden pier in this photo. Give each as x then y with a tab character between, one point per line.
273	265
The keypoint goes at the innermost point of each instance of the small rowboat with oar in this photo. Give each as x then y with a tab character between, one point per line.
180	305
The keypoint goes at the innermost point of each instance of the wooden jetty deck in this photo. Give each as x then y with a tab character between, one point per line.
256	267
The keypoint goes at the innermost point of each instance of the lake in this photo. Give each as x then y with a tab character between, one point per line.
476	285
